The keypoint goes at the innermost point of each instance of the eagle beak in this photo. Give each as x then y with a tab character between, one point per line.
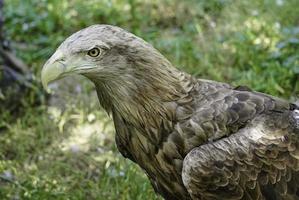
53	69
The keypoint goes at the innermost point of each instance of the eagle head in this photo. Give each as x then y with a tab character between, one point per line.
102	53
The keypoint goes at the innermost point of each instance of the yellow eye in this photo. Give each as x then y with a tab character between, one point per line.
94	52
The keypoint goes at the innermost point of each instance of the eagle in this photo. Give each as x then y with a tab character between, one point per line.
193	138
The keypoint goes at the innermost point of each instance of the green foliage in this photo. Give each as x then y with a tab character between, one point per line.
69	153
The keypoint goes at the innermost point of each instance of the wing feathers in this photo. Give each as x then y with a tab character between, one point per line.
238	165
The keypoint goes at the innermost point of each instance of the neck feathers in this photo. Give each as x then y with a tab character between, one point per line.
147	95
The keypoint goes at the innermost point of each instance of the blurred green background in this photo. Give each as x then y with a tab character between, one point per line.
61	146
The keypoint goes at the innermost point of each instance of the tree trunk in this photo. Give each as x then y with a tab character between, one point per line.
16	83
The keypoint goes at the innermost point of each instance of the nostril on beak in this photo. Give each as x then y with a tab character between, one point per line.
62	59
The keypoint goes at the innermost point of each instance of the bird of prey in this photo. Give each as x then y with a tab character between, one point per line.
194	138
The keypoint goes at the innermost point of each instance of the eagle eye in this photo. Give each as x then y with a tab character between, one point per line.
94	52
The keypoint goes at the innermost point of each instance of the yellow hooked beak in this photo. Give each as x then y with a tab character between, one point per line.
60	65
54	69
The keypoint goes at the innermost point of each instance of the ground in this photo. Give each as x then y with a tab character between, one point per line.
64	147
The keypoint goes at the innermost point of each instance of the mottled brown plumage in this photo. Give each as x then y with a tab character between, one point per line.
195	139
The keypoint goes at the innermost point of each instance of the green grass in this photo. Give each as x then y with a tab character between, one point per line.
64	149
